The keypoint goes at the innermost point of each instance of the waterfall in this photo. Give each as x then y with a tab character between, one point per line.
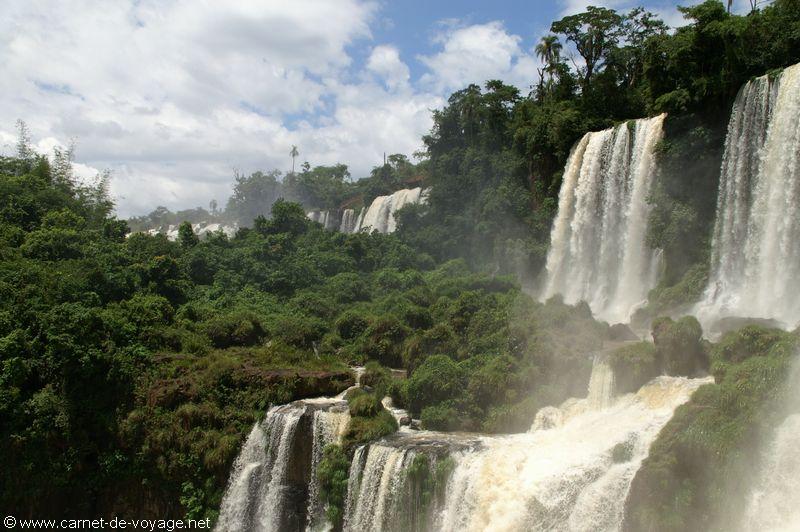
380	215
774	502
256	488
601	383
755	264
395	484
328	219
598	251
572	471
573	476
273	485
375	488
328	427
350	221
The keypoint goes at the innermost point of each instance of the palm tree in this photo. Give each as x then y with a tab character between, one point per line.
294	153
549	51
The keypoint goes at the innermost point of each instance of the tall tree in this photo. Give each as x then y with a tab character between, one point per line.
549	52
294	153
595	33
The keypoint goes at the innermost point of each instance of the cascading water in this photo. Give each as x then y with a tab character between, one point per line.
572	471
601	384
572	476
350	221
598	251
755	265
273	485
380	215
328	428
256	488
774	503
328	219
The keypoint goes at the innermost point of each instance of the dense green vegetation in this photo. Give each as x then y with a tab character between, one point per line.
132	368
693	477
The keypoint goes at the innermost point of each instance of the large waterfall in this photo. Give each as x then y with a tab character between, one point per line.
598	251
755	266
571	472
273	485
574	476
379	216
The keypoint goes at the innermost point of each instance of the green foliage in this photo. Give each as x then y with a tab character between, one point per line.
679	349
332	473
369	420
691	479
633	365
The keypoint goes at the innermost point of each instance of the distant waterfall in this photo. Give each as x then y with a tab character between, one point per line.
350	221
755	264
328	219
380	216
273	485
598	251
381	213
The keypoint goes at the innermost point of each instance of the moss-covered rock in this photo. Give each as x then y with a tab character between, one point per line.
634	365
680	349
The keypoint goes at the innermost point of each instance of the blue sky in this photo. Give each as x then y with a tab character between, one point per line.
174	96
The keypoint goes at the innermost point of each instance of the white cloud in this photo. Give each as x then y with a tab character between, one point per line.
385	62
173	95
476	53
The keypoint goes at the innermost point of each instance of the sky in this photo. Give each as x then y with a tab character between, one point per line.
173	97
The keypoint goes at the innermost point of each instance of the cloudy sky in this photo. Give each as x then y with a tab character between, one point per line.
173	96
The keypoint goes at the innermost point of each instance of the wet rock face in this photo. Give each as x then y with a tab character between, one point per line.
620	332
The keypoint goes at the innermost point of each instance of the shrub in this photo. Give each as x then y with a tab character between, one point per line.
438	379
633	365
332	473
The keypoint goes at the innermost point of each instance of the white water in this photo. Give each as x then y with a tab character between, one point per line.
375	493
255	491
350	221
256	497
329	427
598	251
755	266
380	214
564	477
601	384
774	503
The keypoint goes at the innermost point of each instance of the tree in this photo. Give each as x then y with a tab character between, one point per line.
595	33
549	52
253	196
186	236
294	153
